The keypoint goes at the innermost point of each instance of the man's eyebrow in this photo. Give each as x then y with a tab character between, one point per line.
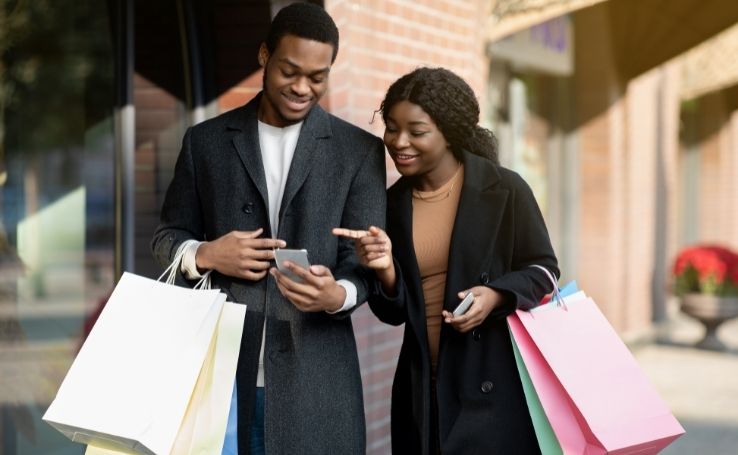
296	66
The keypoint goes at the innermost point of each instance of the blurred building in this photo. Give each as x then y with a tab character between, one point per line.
598	126
621	114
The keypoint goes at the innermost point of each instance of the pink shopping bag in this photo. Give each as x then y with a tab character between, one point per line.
594	394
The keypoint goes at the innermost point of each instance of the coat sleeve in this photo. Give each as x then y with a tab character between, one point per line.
181	214
524	286
390	310
365	206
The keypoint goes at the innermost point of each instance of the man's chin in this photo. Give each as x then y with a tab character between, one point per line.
293	116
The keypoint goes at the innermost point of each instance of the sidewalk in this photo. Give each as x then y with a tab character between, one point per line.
700	387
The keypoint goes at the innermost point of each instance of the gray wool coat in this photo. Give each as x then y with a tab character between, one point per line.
313	392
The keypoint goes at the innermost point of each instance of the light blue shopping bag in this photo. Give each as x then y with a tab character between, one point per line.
230	444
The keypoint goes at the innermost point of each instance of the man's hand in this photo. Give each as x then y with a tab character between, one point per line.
485	300
239	254
319	291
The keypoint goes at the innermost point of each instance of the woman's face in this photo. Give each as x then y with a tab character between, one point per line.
414	141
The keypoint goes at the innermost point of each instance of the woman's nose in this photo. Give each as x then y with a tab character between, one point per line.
400	141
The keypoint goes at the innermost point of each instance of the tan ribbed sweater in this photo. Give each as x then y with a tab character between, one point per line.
433	220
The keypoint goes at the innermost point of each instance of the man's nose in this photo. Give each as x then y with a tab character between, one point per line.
301	87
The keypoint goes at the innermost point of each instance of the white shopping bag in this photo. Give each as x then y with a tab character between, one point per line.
204	426
131	383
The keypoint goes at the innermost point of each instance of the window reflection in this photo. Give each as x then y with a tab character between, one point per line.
56	203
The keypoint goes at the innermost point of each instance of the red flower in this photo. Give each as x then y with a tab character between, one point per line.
706	269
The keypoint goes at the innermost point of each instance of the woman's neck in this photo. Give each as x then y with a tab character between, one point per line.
436	178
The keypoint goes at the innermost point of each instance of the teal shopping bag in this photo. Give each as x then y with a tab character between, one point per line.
547	441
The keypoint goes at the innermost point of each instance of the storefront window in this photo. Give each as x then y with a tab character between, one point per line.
57	223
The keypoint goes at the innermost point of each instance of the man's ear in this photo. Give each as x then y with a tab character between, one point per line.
263	55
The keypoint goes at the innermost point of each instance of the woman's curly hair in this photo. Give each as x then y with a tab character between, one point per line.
452	105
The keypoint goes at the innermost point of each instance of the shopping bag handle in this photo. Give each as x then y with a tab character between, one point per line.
204	282
556	294
171	271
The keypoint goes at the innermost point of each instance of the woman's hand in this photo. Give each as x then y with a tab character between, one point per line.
485	300
374	249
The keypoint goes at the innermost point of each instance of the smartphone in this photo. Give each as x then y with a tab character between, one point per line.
299	257
464	305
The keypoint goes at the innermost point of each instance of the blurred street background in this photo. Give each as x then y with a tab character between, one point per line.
622	115
698	385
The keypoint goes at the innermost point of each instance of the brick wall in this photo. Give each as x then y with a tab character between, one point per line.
669	166
717	200
600	136
383	39
731	168
627	140
632	197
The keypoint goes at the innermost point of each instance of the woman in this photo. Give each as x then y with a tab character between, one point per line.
457	222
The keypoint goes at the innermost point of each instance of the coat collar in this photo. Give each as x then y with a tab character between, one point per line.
244	124
478	218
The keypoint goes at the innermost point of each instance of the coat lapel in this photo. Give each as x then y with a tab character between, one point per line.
400	221
477	222
246	142
317	126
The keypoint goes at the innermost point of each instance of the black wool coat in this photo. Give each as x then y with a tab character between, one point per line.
498	233
313	392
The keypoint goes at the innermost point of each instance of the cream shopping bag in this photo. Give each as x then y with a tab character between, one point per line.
204	426
131	383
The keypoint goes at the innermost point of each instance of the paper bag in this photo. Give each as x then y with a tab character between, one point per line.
130	385
595	395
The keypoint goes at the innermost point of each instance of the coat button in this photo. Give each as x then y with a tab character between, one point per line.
476	335
248	207
487	386
484	278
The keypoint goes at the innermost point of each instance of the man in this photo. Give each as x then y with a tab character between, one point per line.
281	172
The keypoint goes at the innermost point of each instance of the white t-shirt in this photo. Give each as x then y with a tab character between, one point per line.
277	149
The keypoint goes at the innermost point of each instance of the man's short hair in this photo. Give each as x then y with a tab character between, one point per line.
304	20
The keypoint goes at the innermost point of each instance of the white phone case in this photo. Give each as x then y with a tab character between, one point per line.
464	305
298	257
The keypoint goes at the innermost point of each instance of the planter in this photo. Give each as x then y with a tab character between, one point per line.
711	311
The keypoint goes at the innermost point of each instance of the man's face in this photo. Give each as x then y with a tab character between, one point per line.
295	78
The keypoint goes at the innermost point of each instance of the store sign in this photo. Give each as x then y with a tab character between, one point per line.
546	47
